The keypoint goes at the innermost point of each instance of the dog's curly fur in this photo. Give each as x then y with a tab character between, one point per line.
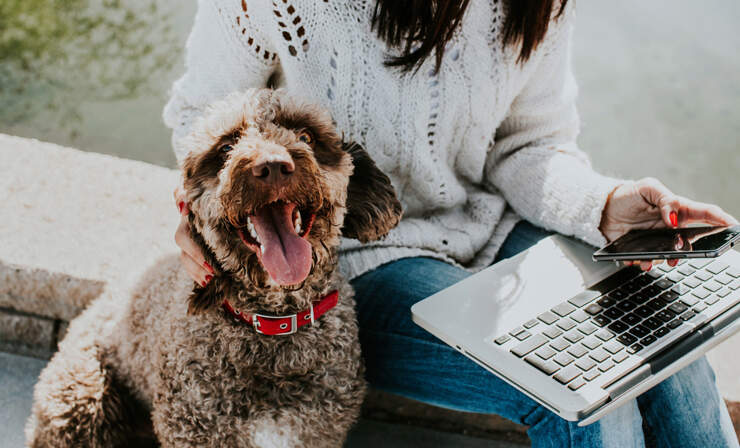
169	352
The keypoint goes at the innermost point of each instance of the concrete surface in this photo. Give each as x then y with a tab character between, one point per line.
18	375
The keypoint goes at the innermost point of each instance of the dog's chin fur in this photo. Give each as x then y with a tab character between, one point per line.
168	348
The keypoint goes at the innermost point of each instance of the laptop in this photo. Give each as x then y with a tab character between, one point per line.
583	337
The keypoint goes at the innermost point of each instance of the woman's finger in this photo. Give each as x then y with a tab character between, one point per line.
706	213
646	265
658	195
186	243
673	262
182	204
195	271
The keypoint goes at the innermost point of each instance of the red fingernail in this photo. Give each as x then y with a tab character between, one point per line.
674	219
203	284
180	205
208	278
208	266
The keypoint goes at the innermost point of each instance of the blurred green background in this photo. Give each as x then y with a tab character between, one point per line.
659	83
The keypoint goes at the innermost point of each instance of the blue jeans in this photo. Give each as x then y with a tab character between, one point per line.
685	410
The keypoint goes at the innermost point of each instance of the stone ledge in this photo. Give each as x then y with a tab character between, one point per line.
75	223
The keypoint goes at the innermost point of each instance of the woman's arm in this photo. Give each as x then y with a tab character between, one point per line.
227	50
535	161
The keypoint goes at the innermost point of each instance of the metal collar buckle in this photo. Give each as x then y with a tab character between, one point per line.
293	323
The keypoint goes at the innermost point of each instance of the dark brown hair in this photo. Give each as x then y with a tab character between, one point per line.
420	27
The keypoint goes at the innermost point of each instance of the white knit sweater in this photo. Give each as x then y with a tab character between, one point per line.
469	150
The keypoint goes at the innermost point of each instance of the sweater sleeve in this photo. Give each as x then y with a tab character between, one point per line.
228	50
535	162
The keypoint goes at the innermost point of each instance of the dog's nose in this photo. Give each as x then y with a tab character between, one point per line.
273	172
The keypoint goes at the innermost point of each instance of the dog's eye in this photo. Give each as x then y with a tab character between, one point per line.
226	148
306	137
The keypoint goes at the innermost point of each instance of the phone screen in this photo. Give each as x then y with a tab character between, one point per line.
666	241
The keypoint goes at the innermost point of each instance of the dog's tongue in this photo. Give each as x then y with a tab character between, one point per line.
285	255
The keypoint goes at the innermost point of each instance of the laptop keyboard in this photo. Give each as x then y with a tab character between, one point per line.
628	314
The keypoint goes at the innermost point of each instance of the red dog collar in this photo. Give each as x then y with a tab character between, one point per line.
284	325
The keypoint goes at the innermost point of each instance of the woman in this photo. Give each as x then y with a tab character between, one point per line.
469	107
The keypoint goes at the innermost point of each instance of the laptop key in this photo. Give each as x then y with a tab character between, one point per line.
601	320
585	364
675	277
647	340
619	357
573	337
529	345
606	365
552	332
691	282
688	315
563	309
593	309
548	317
701	293
699	263
587	328
713	286
703	276
711	300
523	335
577	351
639	297
639	331
566	324
530	323
584	297
618	295
547	367
674	324
681	289
563	359
613	347
502	339
662	331
559	344
663	283
724	292
690	300
604	335
657	304
652	323
733	272
634	348
590	376
678	307
627	305
717	267
516	331
723	278
627	339
631	319
568	374
613	313
665	315
670	296
579	316
644	311
699	308
606	302
618	327
591	342
735	285
686	270
599	355
545	352
576	384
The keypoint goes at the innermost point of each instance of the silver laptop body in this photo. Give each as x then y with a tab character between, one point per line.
539	321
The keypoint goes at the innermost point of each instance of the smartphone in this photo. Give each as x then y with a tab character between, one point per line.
687	242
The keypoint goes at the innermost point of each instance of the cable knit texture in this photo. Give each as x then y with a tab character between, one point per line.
470	149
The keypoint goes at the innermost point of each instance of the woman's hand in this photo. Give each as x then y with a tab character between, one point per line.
191	256
648	204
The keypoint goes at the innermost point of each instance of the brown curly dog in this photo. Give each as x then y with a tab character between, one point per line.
266	354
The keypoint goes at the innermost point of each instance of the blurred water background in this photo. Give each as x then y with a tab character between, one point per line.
659	83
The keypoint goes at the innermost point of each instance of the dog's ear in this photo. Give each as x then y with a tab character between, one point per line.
372	207
204	298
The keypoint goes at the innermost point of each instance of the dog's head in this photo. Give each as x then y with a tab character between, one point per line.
272	187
